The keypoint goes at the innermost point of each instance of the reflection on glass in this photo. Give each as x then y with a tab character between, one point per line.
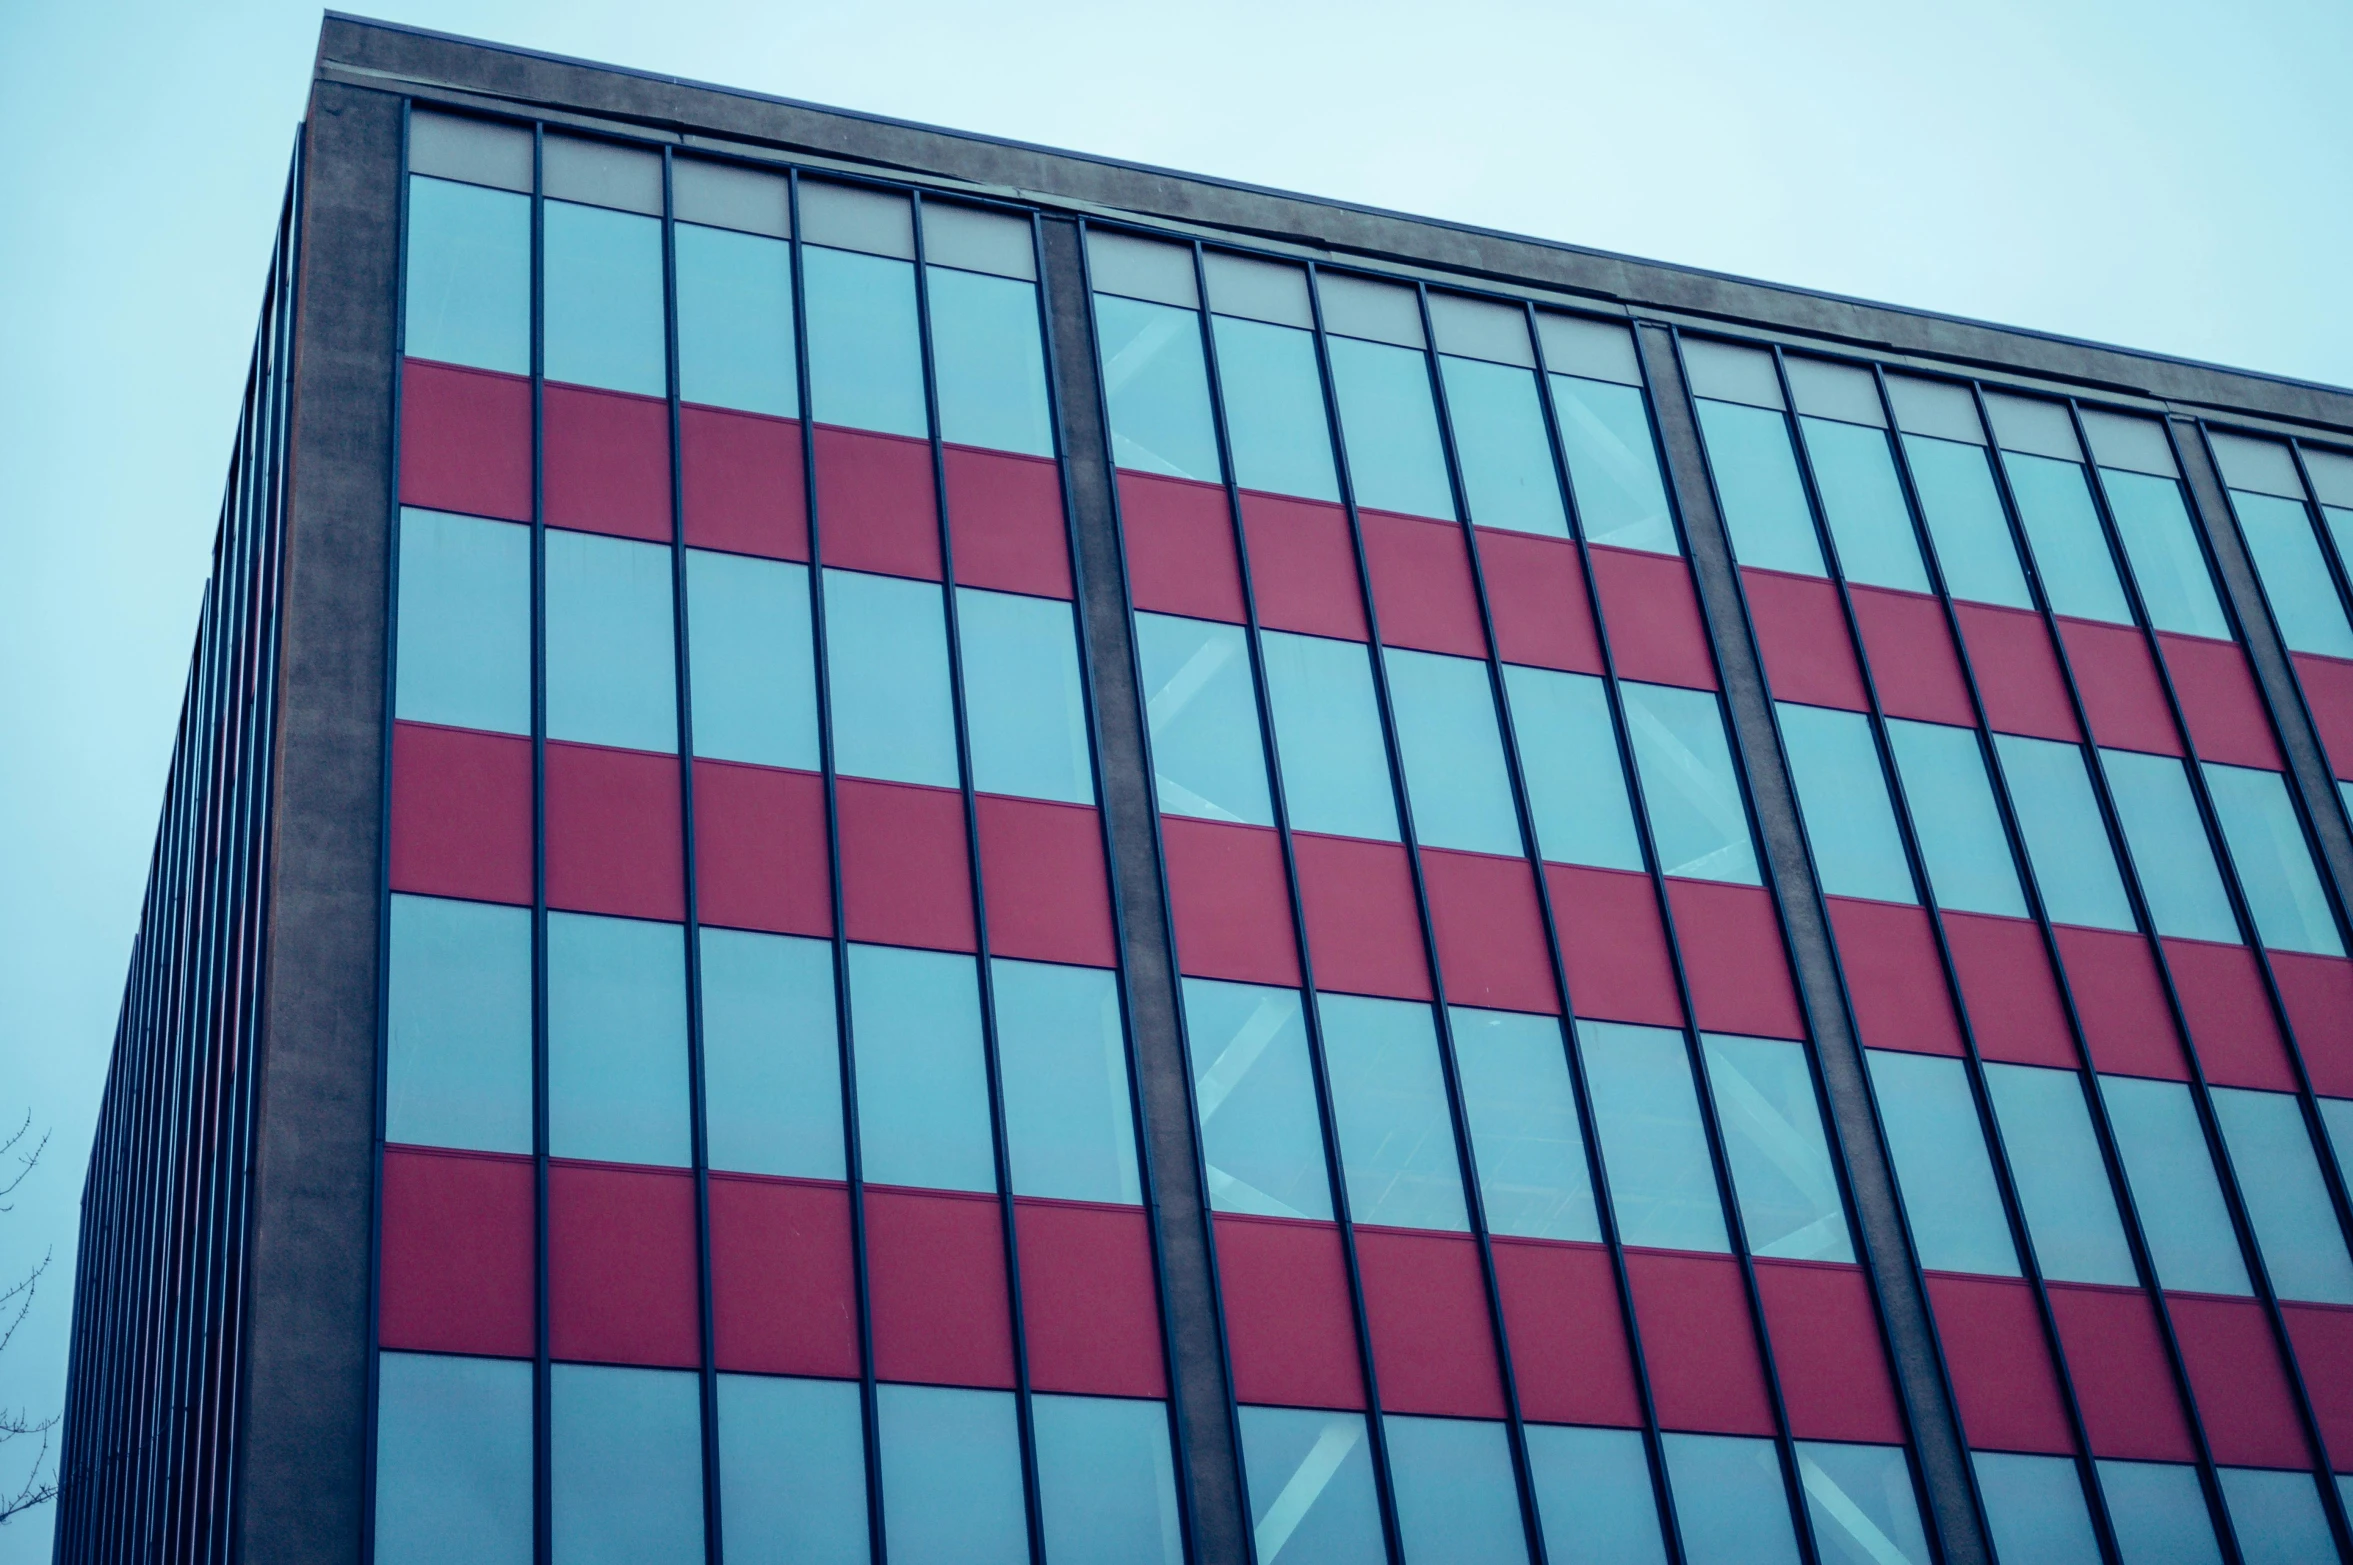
2296	580
1389	1104
923	1092
1062	1055
469	276
1274	401
1261	1138
2163	1148
2063	529
2061	1179
1790	1206
625	1465
1959	826
2066	841
1764	499
792	1471
1456	1496
464	647
1698	821
752	660
1522	1110
1453	752
886	652
2161	544
1106	1485
987	362
457	1054
735	321
1941	1166
1311	1487
1593	1493
951	1475
616	1040
1863	501
1730	1502
1842	795
1390	426
601	299
1613	465
1208	757
1860	1500
2034	1508
2159	1513
612	672
1025	710
1328	734
1966	524
2268	849
865	357
771	1055
1158	388
1507	473
1569	760
2287	1200
1662	1181
453	1460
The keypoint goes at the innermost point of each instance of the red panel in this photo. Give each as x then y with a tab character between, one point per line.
1801	630
1231	904
1827	1352
2219	702
1536	597
783	1283
1289	1330
759	849
2012	995
2117	679
465	440
2000	1364
1913	666
461	813
1005	519
2240	1383
621	1268
1654	625
1090	1315
906	877
1568	1338
1613	945
2229	1015
2017	673
1180	547
1302	566
1898	985
2323	1335
1422	584
612	832
2123	1382
935	1273
874	503
606	463
2328	691
1363	930
1698	1344
1733	960
2121	1002
457	1253
1426	1306
2318	993
1041	868
1491	946
745	491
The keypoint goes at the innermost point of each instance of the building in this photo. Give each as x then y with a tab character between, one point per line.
1002	987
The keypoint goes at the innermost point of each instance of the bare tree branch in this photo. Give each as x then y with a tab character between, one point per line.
16	1302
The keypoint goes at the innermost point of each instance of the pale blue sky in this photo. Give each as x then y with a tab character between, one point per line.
2161	174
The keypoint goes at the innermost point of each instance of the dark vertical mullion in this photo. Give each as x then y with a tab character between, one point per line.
1001	1149
543	1528
2340	571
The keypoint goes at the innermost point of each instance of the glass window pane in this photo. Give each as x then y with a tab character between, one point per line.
465	623
1860	1500
2287	1199
2267	848
1941	1166
2170	851
1730	1502
772	1074
1507	472
1105	1481
1863	501
2066	841
1963	511
1062	1057
1391	427
457	1067
752	660
1453	752
1517	1095
1328	734
2159	1513
1789	1199
1593	1493
1158	388
1953	812
1698	821
1274	410
1311	1487
865	360
2063	529
2336	1117
2062	1180
792	1471
886	661
988	361
453	1460
1569	757
923	1090
1842	793
616	1040
612	663
735	321
1261	1137
2276	1516
2295	577
1024	707
601	308
2166	1162
1389	1105
1457	1500
951	1476
2034	1509
2161	545
1764	500
469	276
625	1465
1662	1181
1208	755
1613	465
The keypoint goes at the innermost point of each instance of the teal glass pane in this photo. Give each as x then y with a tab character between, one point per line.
1534	1180
2066	841
1457	1498
1790	1207
1941	1165
1863	501
951	1475
1262	1139
457	1057
1959	825
1397	1147
1208	754
772	1077
1062	1057
1274	399
1025	709
865	355
1698	821
2159	1512
2276	1516
2061	1179
601	305
1764	499
1158	387
2166	1162
1613	465
752	660
1312	1500
616	1041
2274	862
735	321
2287	1199
1966	523
1730	1502
2063	529
625	1465
1106	1483
1390	426
612	660
2034	1508
1860	1500
1842	793
1507	472
1662	1181
1453	752
792	1471
1594	1495
464	648
923	1090
988	362
2296	580
1328	733
453	1460
886	646
2161	544
1569	759
2170	852
468	288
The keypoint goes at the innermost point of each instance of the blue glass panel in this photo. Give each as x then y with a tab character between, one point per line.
464	646
1024	707
1613	465
457	1066
988	361
772	1085
2169	849
1311	1487
1261	1138
2066	841
1569	759
2062	1180
1863	501
2034	1509
1328	733
2063	529
2161	545
1389	1104
469	276
616	1040
1105	1481
1158	388
1764	499
1522	1108
2295	577
2166	1162
1966	523
1274	401
1390	425
1662	1181
1062	1057
923	1090
865	357
2276	1516
2287	1199
1842	792
2336	1117
951	1476
1208	754
601	306
2268	849
1698	821
752	659
1594	1495
453	1460
612	662
1507	472
1453	752
886	650
1860	1500
1941	1166
1790	1206
625	1466
1955	817
1730	1502
2159	1512
735	321
1457	1501
792	1471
